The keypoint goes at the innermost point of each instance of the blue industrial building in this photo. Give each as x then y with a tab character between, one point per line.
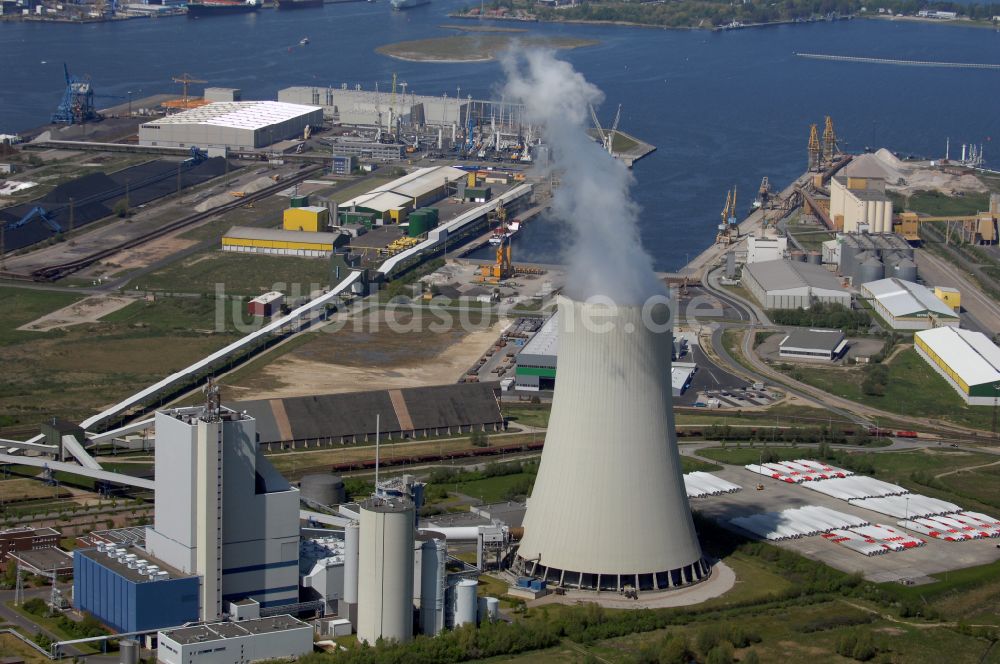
127	600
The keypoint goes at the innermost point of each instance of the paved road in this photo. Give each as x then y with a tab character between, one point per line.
982	307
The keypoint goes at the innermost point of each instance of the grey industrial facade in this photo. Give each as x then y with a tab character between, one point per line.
235	125
785	284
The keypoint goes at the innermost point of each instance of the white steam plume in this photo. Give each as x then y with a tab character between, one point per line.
604	256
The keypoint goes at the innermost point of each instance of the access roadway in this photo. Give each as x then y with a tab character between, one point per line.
760	371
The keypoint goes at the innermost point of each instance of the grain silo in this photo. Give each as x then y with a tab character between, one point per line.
385	570
609	507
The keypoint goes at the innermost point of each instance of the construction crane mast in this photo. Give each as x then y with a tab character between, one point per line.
830	149
614	130
815	149
77	105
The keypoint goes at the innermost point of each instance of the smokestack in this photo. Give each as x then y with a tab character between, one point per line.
609	507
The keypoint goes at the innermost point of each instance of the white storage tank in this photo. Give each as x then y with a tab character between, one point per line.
466	604
385	570
433	585
489	609
352	542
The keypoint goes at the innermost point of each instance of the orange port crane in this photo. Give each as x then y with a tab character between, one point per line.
185	79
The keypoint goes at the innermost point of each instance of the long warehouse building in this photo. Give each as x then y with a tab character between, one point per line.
906	305
968	360
784	284
232	125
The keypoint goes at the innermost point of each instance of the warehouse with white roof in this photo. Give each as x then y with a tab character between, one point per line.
231	124
393	200
784	284
968	360
906	305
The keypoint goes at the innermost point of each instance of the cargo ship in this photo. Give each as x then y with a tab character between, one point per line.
407	4
299	4
221	7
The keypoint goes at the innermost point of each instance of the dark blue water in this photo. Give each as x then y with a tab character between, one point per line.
723	108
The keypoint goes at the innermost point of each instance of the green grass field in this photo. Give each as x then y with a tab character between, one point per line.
936	204
70	373
913	388
239	274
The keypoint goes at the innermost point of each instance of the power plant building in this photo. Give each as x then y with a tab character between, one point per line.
232	125
905	305
278	637
222	511
784	284
609	507
968	360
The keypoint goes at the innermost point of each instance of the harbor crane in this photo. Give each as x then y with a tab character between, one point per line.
606	138
77	105
830	148
728	227
815	149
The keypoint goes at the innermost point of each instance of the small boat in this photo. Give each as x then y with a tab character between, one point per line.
304	41
505	233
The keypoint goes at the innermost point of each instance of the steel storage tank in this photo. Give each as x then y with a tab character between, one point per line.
906	270
871	270
433	585
466	604
858	258
814	257
492	609
796	255
323	489
385	570
352	543
128	651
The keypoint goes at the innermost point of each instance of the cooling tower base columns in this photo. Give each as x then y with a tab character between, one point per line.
675	578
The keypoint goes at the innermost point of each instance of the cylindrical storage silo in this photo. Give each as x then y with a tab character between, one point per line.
128	651
433	585
871	270
466	604
385	570
323	489
906	270
814	257
796	255
352	543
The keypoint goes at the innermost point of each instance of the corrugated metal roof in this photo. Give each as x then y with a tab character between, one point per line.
239	114
787	275
546	340
826	340
280	235
905	298
970	354
403	190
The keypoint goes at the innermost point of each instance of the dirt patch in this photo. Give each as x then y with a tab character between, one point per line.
144	255
89	310
371	357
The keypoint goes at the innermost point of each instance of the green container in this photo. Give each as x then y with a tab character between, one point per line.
418	225
300	201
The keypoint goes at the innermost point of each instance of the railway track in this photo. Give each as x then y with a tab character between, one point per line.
56	272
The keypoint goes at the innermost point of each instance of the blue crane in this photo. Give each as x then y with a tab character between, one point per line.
77	105
39	212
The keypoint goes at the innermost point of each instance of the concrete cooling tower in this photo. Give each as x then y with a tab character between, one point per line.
609	507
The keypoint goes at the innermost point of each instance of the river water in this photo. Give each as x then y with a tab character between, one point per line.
723	109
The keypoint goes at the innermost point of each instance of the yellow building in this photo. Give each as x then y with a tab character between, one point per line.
278	242
312	218
949	296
